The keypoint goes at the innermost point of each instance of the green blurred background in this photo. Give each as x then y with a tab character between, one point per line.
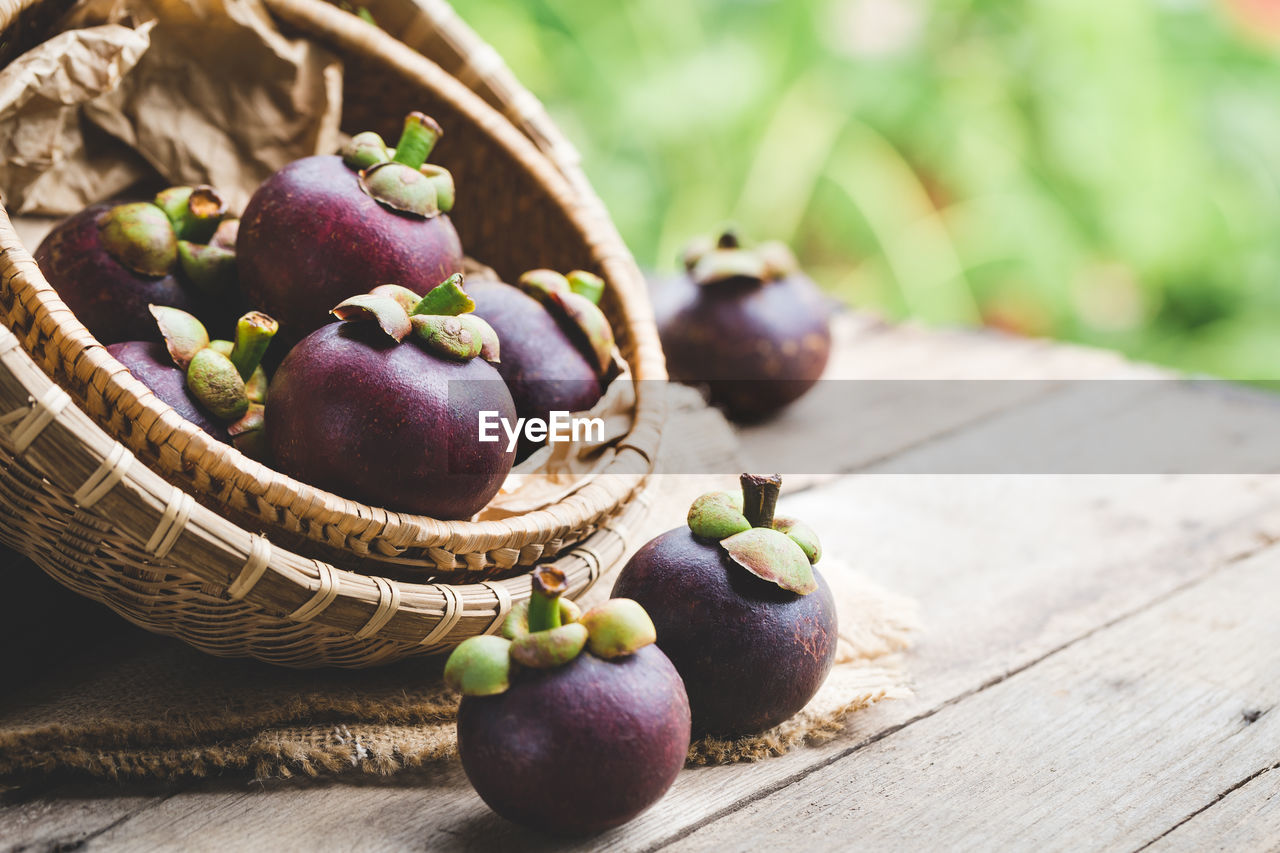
1102	171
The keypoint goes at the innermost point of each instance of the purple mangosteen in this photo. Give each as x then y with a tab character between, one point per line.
324	227
753	328
739	610
385	407
219	385
151	364
557	346
570	723
109	262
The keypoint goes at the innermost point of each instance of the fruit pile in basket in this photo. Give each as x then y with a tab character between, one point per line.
389	362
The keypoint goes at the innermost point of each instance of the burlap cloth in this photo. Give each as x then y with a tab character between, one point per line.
87	694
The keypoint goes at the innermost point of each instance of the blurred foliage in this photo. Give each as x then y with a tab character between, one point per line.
1100	171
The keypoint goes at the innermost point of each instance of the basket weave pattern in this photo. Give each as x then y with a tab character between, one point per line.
110	491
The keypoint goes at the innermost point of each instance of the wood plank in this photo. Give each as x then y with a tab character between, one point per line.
67	817
993	604
861	411
1246	818
1102	746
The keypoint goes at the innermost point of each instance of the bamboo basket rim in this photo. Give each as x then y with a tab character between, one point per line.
373	531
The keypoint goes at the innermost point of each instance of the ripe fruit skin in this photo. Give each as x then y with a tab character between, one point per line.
757	346
151	364
310	237
581	748
751	654
109	298
387	424
544	369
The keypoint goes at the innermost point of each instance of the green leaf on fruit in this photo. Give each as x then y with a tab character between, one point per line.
772	556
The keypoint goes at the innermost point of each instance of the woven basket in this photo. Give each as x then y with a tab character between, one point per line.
122	500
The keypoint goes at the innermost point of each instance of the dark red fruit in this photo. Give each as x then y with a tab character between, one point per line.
314	232
578	749
389	423
751	652
570	723
110	262
151	364
108	297
546	360
754	330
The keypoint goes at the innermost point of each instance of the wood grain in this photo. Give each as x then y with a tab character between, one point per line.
1246	818
1103	746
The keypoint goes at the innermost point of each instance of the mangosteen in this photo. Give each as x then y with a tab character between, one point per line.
109	262
327	226
747	621
218	385
570	723
753	328
151	364
385	407
557	346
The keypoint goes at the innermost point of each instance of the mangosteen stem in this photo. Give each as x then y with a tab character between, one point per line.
544	604
194	211
760	497
419	136
254	332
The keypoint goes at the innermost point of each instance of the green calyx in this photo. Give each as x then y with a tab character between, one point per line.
550	647
404	297
441	321
779	550
516	624
588	285
365	150
572	299
389	314
461	338
546	632
248	434
803	535
398	187
140	236
480	666
225	377
211	267
727	260
182	229
183	334
617	628
446	299
214	381
717	515
400	178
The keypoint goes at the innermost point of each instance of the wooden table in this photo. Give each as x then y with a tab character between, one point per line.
1100	668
